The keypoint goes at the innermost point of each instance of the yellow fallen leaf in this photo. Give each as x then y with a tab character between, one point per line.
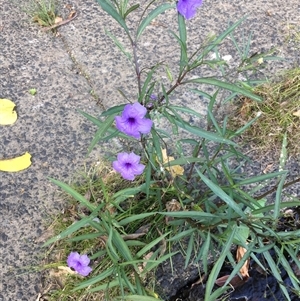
297	113
57	20
175	170
16	164
66	270
7	113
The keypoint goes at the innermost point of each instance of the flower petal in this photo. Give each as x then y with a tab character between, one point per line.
84	270
187	8
145	126
73	259
84	260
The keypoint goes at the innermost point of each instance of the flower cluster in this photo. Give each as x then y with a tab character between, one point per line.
188	8
79	263
133	123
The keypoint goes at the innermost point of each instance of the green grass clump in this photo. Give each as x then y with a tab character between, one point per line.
42	12
280	114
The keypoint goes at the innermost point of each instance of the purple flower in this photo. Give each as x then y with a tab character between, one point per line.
79	263
128	165
188	8
132	121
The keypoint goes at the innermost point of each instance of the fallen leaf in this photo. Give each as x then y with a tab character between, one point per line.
175	170
240	252
72	14
297	113
172	206
16	164
236	281
58	20
66	270
7	113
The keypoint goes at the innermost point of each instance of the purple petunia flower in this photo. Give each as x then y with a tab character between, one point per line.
128	165
79	263
188	8
133	121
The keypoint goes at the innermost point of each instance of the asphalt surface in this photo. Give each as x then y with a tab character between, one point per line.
79	68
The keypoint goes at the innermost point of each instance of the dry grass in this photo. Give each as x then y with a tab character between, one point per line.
280	114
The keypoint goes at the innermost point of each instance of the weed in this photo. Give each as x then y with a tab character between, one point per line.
42	11
280	108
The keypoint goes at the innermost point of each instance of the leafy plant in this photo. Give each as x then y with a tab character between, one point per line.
173	202
42	11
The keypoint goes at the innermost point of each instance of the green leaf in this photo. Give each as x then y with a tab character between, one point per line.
242	234
101	131
136	217
224	85
185	110
221	194
275	272
288	269
182	234
183	160
205	252
118	44
189	250
219	39
127	193
106	6
214	273
153	14
131	9
113	110
77	196
245	127
71	229
183	38
153	264
95	279
261	178
201	133
278	198
140	298
146	83
105	286
283	154
149	246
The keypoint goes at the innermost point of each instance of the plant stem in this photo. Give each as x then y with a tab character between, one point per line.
275	187
137	67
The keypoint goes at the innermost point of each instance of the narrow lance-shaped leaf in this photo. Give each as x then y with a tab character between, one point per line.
219	39
183	46
224	85
217	267
153	14
118	44
106	6
221	194
202	133
131	9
